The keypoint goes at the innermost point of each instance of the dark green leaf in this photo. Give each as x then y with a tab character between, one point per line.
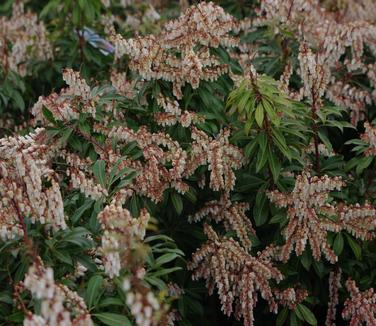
307	314
259	115
166	271
81	210
110	302
282	317
66	133
338	244
63	256
260	211
48	115
93	291
177	202
112	319
275	165
166	258
293	319
99	170
306	260
354	246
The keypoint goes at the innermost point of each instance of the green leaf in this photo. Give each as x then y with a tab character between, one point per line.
49	7
324	138
17	317
157	248
262	155
260	210
82	4
299	314
247	127
270	112
282	317
243	102
293	319
112	319
93	291
76	232
89	12
110	302
115	174
6	297
351	164
76	16
319	268
338	244
48	115
18	100
63	256
161	285
135	206
250	148
280	141
277	219
162	237
194	306
126	180
166	271
363	163
177	202
84	126
191	195
99	170
275	165
306	260
81	210
354	246
259	115
307	314
88	263
21	271
166	258
262	140
78	237
66	133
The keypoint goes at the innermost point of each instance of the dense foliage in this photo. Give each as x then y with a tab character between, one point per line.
171	163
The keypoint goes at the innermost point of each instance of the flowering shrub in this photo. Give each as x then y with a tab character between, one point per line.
184	164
